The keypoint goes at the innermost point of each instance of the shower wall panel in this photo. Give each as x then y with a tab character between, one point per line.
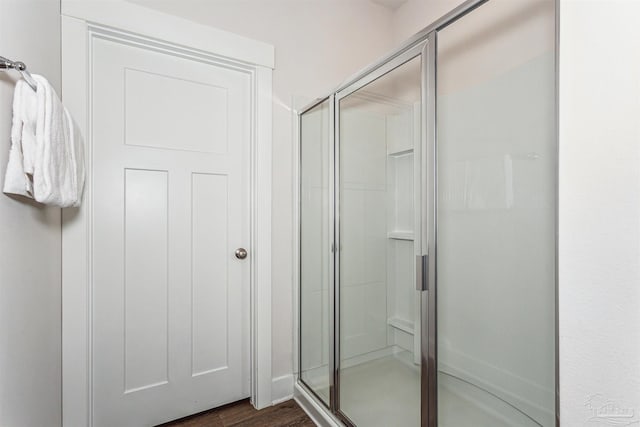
363	207
497	157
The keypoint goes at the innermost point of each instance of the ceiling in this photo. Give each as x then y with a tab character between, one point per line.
391	4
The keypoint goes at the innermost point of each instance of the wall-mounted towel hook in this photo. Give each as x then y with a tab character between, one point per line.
7	64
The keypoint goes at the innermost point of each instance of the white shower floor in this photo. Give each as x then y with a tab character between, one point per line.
386	392
382	392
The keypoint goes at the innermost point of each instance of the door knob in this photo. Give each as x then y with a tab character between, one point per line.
241	253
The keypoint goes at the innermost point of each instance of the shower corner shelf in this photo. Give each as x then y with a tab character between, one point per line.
400	235
402	324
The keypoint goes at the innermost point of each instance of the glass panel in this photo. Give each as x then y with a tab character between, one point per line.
315	251
379	306
496	216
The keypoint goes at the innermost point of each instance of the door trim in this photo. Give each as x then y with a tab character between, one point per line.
164	33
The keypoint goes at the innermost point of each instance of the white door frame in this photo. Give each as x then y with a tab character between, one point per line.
82	22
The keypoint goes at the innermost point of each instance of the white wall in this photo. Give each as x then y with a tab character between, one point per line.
30	307
318	44
414	15
599	208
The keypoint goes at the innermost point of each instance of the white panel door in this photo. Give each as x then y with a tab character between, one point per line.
170	185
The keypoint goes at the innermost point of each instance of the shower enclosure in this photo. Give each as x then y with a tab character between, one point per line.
428	229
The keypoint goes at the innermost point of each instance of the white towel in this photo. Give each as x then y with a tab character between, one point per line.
46	161
23	141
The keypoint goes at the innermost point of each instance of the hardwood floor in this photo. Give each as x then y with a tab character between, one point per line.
242	414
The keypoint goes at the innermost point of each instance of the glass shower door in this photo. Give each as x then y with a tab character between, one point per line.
316	236
496	210
379	306
428	229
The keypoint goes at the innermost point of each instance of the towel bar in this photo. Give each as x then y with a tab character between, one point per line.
7	64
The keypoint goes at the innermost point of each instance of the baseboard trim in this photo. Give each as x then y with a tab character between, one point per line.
282	388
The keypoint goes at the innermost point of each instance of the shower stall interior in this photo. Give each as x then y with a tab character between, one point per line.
428	222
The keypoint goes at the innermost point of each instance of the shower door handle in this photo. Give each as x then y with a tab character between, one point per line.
422	272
